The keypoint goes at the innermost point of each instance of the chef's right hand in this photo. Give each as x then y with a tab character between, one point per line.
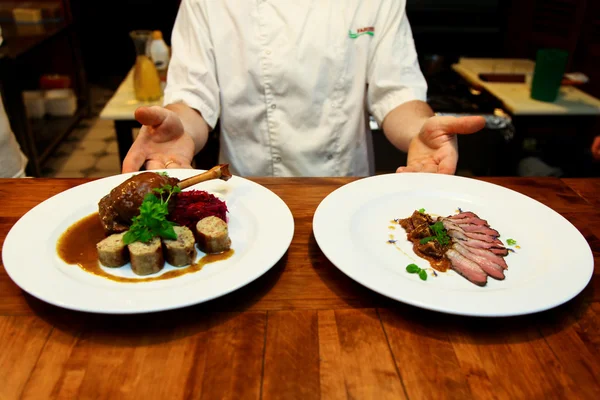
162	142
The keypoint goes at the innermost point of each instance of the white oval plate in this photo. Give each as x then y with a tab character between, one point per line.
261	227
352	226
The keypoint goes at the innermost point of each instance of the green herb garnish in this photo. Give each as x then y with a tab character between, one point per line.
152	219
440	234
511	242
414	269
163	174
421	210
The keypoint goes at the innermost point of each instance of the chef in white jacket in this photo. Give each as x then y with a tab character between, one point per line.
293	84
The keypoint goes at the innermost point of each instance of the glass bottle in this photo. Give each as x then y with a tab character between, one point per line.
146	81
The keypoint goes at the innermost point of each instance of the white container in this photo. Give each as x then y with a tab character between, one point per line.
160	55
35	106
61	102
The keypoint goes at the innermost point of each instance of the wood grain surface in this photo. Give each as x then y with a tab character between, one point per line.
303	330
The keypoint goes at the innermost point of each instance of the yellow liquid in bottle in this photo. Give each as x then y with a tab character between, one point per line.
146	80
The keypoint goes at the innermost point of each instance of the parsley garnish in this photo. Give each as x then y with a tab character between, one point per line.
152	219
421	210
414	269
511	242
440	234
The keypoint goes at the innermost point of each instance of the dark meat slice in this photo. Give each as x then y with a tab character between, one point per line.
467	268
407	224
479	229
469	220
489	267
483	237
123	202
500	251
109	217
448	224
419	219
496	259
464	214
420	232
128	197
478	244
416	220
431	248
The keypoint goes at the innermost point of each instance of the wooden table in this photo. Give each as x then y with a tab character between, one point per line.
304	330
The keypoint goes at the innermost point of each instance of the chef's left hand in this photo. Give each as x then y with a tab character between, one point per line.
596	148
435	148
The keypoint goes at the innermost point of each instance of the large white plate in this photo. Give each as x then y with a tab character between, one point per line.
261	227
352	227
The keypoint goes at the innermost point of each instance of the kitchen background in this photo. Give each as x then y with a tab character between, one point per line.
88	42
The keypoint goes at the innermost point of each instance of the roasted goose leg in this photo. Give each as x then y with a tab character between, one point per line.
117	208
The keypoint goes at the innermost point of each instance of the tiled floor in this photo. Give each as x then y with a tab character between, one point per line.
91	149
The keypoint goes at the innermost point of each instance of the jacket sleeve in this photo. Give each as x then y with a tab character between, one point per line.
393	75
191	77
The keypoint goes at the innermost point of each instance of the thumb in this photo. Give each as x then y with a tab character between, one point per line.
164	124
151	116
458	125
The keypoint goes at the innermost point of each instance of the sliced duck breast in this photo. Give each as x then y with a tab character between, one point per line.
467	268
492	269
470	220
477	244
464	214
483	237
495	258
479	229
473	235
500	251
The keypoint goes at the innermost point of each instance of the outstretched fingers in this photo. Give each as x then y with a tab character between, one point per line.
134	160
596	148
458	125
151	116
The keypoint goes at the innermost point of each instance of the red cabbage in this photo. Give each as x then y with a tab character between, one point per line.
193	205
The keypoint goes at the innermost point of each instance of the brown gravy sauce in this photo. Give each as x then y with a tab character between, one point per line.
441	265
77	246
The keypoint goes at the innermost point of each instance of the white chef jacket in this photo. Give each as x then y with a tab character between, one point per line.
292	82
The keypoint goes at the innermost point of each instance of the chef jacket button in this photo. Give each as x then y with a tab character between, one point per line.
330	156
273	106
277	159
